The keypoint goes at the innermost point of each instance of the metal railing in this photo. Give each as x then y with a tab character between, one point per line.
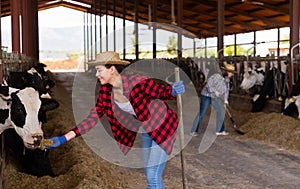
14	62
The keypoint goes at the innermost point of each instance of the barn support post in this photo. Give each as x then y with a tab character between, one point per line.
235	49
30	42
221	10
95	29
106	23
15	26
91	33
87	36
124	29
136	28
294	39
84	42
100	26
1	71
114	25
25	27
35	30
154	17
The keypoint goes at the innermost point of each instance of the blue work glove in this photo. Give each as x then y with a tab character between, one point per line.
57	141
178	88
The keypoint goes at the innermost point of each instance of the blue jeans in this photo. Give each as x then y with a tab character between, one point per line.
155	159
205	101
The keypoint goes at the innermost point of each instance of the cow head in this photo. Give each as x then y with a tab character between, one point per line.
288	105
249	81
252	77
23	109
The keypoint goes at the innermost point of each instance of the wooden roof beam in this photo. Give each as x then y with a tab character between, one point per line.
234	21
275	8
250	15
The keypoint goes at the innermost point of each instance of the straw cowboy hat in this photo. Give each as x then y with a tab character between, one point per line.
229	68
108	57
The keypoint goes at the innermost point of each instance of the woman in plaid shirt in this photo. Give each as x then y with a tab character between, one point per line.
130	102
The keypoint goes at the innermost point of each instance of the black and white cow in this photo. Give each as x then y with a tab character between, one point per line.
31	161
263	82
37	78
21	124
292	102
265	85
265	93
19	109
253	78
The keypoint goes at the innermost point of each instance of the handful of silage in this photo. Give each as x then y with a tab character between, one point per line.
44	143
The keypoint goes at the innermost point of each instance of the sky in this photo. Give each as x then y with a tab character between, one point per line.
60	17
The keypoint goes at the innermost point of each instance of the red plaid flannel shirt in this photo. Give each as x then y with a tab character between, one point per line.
152	113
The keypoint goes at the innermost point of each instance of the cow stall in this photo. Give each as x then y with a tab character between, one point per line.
10	62
15	62
273	69
199	69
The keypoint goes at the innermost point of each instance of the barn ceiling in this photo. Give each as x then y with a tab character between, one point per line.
198	16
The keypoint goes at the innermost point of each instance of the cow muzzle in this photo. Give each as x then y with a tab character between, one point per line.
34	142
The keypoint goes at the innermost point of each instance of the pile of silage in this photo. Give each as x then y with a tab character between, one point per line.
273	128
